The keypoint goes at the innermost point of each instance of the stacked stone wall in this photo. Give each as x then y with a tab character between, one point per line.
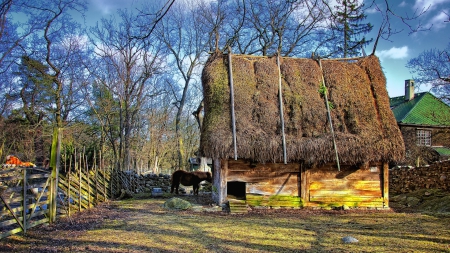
409	179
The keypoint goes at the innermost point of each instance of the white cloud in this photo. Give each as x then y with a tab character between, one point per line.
402	4
438	21
393	53
432	4
108	7
371	11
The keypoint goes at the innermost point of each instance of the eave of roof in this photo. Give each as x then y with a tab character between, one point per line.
443	151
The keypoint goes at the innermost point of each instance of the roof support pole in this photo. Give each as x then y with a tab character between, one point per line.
233	119
329	116
280	99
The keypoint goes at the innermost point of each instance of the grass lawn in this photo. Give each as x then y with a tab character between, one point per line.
141	225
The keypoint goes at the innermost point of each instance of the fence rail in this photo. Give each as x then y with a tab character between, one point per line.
25	195
27	198
24	199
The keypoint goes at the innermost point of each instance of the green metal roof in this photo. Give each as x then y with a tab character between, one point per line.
423	109
443	151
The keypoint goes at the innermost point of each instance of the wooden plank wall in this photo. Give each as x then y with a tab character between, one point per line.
270	184
293	185
352	186
265	179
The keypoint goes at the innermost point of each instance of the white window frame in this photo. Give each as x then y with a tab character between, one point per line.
423	137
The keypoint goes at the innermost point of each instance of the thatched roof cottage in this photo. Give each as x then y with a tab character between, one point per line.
287	154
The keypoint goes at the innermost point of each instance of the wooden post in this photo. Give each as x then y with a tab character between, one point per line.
233	119
79	186
24	211
219	180
385	176
88	180
303	183
68	186
55	173
280	98
96	177
329	117
104	174
52	189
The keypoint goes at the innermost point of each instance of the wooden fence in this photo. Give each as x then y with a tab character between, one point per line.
27	199
24	199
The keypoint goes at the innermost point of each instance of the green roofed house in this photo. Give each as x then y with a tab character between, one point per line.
424	121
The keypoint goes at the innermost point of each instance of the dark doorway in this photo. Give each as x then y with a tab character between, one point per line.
236	190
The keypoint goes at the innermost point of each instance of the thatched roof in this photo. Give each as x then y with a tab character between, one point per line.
364	125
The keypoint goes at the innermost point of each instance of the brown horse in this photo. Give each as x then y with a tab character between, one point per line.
188	179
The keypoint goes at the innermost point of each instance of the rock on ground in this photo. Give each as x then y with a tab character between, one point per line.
177	203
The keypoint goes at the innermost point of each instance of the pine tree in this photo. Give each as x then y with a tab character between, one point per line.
348	23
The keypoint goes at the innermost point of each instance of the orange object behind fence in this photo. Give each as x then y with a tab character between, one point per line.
12	160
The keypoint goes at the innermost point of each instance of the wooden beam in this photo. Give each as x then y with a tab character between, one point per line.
304	183
280	102
233	116
385	178
219	193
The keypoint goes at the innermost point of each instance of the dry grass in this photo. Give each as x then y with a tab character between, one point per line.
141	225
362	120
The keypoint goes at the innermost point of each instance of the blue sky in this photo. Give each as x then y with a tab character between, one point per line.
393	54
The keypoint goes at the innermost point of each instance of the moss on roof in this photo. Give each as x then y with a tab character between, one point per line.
364	125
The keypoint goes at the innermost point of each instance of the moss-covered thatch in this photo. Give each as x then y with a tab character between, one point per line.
365	127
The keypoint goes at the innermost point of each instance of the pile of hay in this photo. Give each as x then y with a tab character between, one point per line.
365	127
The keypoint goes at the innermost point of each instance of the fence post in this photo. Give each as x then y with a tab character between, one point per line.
96	177
69	185
79	186
24	211
105	195
88	180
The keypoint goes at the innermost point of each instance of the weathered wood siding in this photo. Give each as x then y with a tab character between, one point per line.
352	186
270	184
292	185
266	179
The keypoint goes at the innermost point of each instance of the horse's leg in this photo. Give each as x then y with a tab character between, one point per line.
175	186
196	186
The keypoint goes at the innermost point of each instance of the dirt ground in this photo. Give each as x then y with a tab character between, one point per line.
141	225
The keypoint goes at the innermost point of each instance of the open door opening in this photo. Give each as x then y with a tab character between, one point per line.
236	190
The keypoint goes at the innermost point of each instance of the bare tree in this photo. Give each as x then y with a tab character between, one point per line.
182	33
264	27
433	67
128	63
388	15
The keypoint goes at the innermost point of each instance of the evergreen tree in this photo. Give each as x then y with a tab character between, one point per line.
349	28
34	95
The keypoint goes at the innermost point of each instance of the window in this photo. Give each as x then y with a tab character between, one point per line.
423	137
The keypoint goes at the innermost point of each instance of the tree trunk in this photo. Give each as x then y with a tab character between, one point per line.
155	167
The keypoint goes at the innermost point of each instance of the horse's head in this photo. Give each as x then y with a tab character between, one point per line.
208	177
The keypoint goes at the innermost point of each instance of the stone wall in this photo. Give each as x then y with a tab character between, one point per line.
408	179
150	181
146	183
